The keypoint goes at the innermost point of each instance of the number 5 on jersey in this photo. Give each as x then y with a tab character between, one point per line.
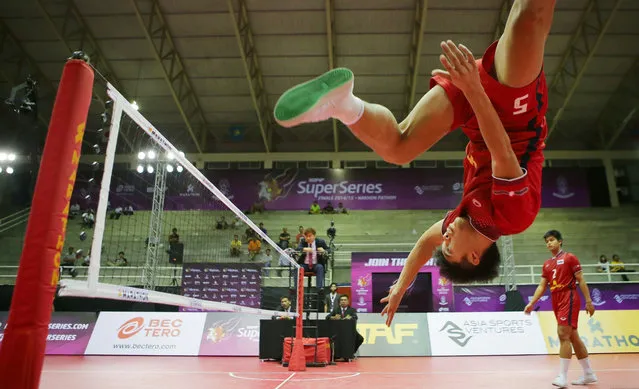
521	106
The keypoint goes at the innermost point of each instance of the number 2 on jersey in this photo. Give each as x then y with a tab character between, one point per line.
554	273
521	106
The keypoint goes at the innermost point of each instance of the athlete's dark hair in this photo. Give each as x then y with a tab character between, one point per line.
555	234
463	272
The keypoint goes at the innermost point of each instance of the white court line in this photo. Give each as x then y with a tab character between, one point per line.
337	376
285	381
438	372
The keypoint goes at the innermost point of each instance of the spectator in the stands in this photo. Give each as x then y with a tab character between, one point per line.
88	218
254	247
261	225
328	208
266	260
174	237
285	237
128	210
249	234
604	266
117	213
616	266
236	246
299	236
341	209
86	261
285	306
74	210
221	224
68	262
236	222
119	261
315	208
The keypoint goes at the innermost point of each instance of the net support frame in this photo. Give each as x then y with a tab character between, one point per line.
155	227
93	288
510	271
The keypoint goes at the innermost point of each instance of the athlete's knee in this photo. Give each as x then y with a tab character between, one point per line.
564	333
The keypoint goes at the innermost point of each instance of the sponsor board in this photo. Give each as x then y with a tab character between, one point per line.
495	333
147	333
406	337
228	333
69	333
605	332
366	266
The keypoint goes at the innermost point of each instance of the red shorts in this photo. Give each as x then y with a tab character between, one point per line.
566	305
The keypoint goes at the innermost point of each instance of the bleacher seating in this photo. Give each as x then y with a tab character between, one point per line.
588	233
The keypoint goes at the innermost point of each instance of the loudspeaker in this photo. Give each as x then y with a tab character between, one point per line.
176	253
514	302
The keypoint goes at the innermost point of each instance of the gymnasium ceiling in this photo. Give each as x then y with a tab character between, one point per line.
263	47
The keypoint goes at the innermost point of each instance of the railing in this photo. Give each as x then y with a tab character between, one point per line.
14	220
525	274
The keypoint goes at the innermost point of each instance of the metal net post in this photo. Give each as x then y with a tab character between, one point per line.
155	227
508	255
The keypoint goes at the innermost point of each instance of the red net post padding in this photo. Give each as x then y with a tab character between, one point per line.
23	347
298	360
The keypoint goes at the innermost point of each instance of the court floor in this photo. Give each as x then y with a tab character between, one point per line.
519	372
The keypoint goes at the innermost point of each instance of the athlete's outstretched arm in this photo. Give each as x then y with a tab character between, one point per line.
586	292
462	70
419	255
520	51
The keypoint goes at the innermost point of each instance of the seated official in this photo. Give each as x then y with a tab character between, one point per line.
344	311
313	258
285	306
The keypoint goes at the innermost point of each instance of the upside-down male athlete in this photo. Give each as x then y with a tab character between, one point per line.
563	272
502	168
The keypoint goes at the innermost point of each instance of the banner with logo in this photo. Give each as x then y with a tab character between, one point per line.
494	333
406	337
605	332
147	333
69	333
231	334
231	283
373	273
296	189
492	298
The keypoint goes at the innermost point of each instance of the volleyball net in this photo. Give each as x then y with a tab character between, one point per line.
142	224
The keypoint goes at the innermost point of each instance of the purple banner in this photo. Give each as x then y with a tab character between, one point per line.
296	189
69	333
231	334
231	283
493	298
373	273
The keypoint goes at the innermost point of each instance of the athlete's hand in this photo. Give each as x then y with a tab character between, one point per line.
460	65
392	303
590	308
529	308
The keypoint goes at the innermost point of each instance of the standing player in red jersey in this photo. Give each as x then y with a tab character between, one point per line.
562	272
500	101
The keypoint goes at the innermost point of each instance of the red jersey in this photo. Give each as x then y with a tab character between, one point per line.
560	272
496	206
